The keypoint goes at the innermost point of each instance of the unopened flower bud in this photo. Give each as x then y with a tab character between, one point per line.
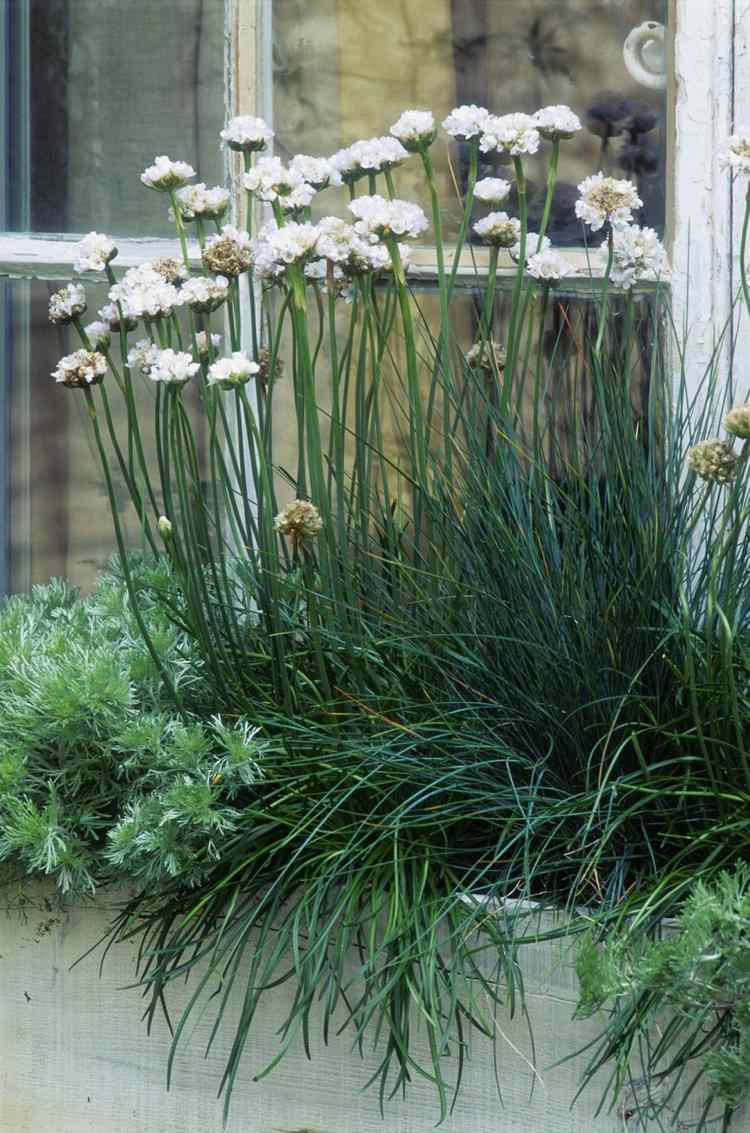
737	422
165	527
713	460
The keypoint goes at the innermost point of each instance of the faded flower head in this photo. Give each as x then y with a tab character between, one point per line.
736	156
737	422
638	256
515	134
487	356
299	520
372	155
499	229
246	133
415	129
81	369
67	304
275	249
227	373
98	334
713	460
466	122
173	367
207	344
165	175
318	172
492	190
143	356
169	269
557	122
203	293
605	199
94	252
265	368
228	253
549	267
380	219
196	202
143	293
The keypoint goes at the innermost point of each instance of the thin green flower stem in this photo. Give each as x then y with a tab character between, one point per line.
743	251
468	208
551	183
244	483
515	330
200	229
123	555
336	466
388	173
321	322
372	183
247	159
443	364
234	330
605	294
180	226
537	455
416	414
485	320
278	212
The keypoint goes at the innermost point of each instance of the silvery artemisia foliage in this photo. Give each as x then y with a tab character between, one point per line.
97	777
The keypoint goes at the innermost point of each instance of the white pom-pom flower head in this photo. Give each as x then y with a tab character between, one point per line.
549	267
606	200
379	219
498	229
555	123
229	373
166	175
94	252
514	134
638	256
246	134
415	129
466	123
196	202
67	304
736	155
492	190
81	369
173	367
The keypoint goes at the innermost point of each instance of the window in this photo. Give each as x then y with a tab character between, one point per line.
94	88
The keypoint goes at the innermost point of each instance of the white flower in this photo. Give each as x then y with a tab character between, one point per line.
379	219
111	316
234	371
515	134
144	293
165	174
165	527
300	197
466	122
736	156
80	369
556	122
340	244
499	229
638	256
143	356
98	334
203	293
270	180
374	155
275	249
206	344
198	201
228	252
67	304
549	266
246	133
175	367
533	246
492	190
606	199
415	129
94	252
318	172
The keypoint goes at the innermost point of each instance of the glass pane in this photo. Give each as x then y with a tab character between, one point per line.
54	510
93	90
345	70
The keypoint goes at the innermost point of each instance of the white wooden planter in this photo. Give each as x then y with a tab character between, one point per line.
74	1056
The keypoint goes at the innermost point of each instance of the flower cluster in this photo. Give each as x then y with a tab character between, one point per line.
486	356
203	293
318	172
549	267
492	190
275	249
499	229
380	219
94	252
228	252
196	202
270	181
81	369
67	304
299	520
207	344
166	175
143	356
466	122
737	422
514	134
373	155
228	373
557	122
737	154
98	335
638	256
173	367
144	293
415	129
713	460
606	199
246	134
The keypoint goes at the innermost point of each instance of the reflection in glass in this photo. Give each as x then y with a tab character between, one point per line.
345	70
93	89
